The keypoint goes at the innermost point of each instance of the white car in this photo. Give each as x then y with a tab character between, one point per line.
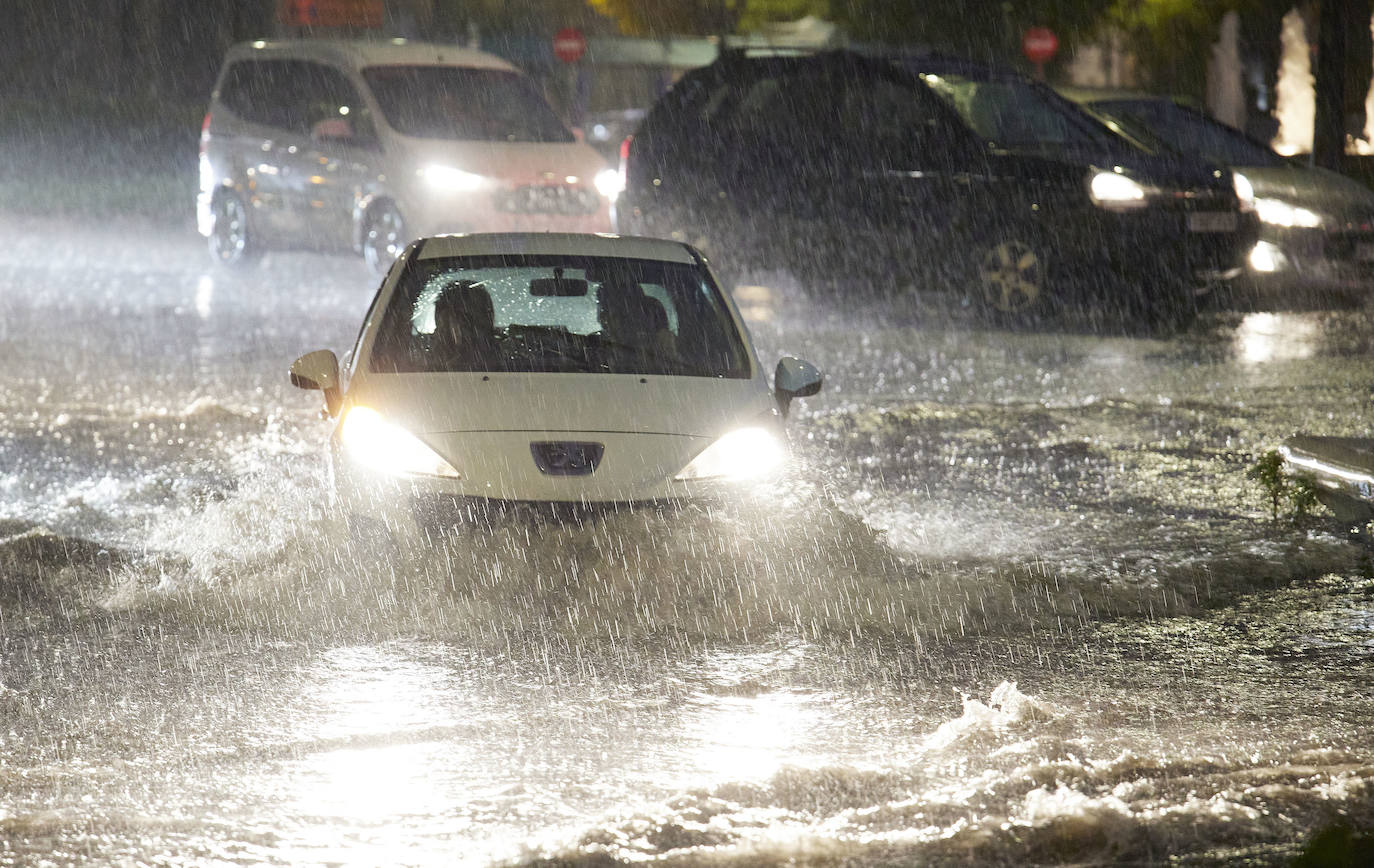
560	368
368	143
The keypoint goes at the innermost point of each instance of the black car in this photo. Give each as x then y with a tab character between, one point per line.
867	175
1316	226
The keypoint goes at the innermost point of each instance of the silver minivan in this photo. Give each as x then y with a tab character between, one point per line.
366	145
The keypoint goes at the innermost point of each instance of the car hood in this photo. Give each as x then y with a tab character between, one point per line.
515	163
1317	189
620	403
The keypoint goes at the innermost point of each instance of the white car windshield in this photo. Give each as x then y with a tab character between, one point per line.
558	314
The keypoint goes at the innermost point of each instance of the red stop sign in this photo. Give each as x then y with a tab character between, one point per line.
1039	44
569	45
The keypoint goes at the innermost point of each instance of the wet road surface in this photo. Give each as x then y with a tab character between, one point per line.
1017	605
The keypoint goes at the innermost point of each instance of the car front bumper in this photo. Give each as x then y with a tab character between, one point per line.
1294	264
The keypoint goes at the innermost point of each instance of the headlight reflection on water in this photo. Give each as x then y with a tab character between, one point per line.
751	737
367	778
1275	337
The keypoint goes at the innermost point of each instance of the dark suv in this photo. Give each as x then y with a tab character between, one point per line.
865	174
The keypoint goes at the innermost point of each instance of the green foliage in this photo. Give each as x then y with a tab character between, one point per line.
1268	472
1299	491
672	17
1302	494
986	29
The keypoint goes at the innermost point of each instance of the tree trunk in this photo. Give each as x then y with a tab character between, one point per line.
1328	136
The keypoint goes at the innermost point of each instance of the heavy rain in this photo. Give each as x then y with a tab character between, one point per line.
1021	595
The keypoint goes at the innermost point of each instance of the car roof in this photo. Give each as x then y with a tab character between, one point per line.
359	53
941	63
841	59
555	244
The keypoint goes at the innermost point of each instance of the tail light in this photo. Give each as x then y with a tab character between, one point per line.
205	132
625	160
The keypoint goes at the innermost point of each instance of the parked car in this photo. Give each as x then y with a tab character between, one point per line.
365	145
548	367
1317	226
1342	469
869	175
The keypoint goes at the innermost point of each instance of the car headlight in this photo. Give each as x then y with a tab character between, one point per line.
376	443
1277	212
1115	191
450	178
746	453
1245	191
607	183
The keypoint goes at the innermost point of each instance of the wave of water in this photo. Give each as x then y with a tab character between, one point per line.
1014	780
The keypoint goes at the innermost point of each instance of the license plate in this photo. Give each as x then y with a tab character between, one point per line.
1213	221
1364	251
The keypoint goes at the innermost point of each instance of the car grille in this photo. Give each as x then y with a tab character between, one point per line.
1203	199
563	458
548	199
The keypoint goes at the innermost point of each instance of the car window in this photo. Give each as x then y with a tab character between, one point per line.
326	94
293	95
1190	132
464	104
559	315
891	123
264	92
1012	114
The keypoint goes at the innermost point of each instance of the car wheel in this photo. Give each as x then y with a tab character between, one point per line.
1011	279
232	241
384	236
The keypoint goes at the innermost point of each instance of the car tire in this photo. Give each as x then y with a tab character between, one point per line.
233	243
384	236
1011	279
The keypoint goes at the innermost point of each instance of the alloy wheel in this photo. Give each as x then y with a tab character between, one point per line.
229	239
1012	277
385	238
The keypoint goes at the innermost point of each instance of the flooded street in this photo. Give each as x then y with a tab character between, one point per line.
1017	604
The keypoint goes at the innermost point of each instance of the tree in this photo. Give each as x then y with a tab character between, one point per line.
985	29
671	17
455	19
704	17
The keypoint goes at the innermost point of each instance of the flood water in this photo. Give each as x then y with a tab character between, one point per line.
1017	603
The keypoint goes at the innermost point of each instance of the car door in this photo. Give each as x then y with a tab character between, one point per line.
673	178
259	95
862	174
910	171
331	158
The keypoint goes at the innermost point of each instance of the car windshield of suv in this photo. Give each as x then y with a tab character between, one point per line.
463	103
558	314
1016	116
1189	131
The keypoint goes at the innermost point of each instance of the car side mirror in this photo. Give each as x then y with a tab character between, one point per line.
794	378
319	370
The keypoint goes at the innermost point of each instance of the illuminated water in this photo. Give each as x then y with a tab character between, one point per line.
1019	605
